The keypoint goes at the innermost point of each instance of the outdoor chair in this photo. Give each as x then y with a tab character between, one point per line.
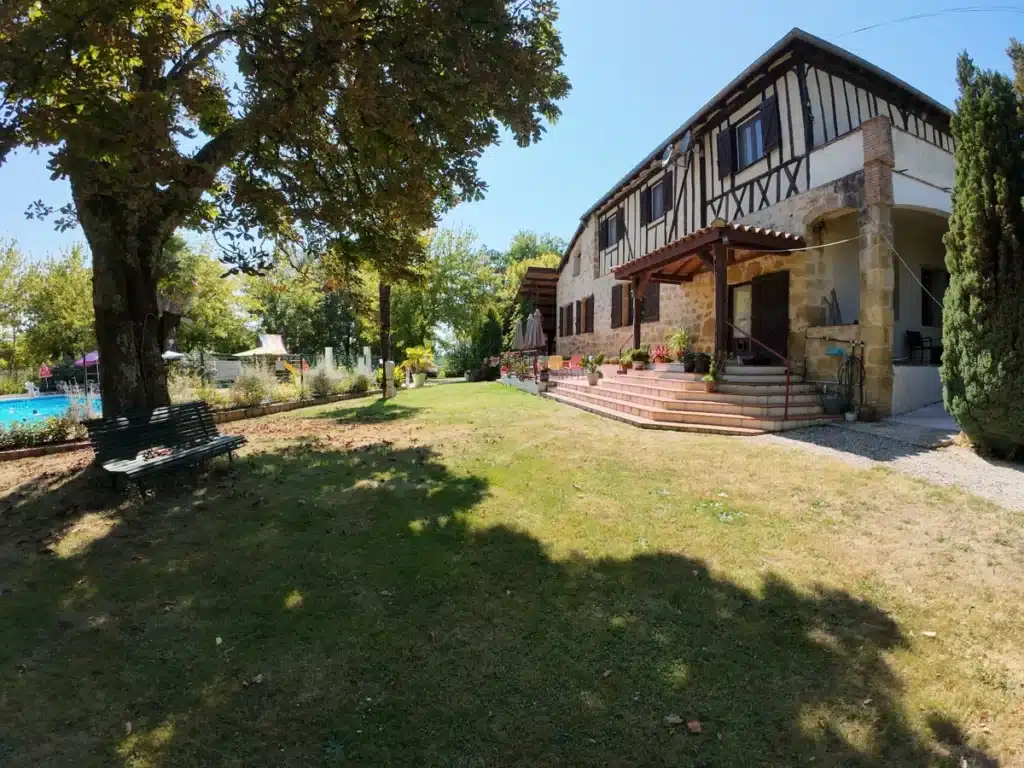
555	365
31	388
922	345
575	365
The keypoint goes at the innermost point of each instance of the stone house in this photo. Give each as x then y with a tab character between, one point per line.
800	210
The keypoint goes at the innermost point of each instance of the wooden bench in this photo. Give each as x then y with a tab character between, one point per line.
144	443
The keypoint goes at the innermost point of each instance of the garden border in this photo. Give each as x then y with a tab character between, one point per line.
222	416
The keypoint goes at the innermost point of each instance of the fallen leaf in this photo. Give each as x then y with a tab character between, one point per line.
606	673
673	720
694	726
930	634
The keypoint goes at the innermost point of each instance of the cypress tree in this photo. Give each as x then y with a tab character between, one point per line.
983	319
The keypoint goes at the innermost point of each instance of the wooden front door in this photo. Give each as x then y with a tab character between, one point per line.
769	319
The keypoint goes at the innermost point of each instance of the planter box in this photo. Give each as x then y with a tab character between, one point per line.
526	386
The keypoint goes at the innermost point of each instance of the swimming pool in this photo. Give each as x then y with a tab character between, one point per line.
32	409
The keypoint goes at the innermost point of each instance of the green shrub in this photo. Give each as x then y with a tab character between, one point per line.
12	384
287	392
983	310
53	430
460	360
359	383
253	386
398	377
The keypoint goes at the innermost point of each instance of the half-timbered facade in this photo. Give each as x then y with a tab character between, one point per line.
809	141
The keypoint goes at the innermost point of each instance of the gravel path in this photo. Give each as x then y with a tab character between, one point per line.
1000	482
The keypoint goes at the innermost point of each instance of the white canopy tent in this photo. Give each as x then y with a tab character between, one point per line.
271	345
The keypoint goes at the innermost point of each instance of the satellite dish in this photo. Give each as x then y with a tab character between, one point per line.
685	142
666	156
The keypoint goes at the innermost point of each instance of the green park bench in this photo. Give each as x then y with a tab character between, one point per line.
141	444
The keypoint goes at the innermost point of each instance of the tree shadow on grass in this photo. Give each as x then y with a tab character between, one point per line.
378	412
316	607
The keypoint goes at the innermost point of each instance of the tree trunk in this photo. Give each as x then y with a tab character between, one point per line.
129	325
385	322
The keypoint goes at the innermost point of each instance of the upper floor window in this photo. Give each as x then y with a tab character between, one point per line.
611	230
656	200
577	264
749	141
742	145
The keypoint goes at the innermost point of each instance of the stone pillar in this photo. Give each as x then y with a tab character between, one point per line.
876	274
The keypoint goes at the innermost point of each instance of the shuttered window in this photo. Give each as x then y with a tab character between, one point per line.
565	326
726	166
617	305
651	304
579	319
656	200
588	315
611	229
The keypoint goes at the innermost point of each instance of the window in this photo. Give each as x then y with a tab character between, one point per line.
565	326
577	263
656	200
587	314
611	230
622	304
934	281
749	142
743	145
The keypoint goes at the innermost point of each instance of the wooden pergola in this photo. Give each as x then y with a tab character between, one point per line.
540	284
711	248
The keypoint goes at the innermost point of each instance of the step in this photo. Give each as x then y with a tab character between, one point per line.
638	421
733	369
768	422
709	402
732	378
798	388
697	392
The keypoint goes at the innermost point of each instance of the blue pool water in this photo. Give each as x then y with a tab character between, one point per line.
32	409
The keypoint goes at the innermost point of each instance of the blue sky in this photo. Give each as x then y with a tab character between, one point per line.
639	69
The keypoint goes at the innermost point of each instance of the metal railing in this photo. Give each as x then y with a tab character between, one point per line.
785	412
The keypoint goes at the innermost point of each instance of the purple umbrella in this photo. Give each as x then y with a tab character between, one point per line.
93	358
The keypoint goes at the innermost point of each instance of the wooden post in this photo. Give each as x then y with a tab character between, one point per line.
639	286
721	299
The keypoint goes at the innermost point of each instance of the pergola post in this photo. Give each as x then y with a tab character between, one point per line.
639	286
721	252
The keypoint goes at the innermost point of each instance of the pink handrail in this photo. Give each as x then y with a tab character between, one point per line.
785	412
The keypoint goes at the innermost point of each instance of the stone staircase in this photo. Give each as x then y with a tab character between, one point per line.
750	400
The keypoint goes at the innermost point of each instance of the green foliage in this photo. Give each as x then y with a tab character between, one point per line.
679	341
641	354
486	341
312	311
254	385
358	384
460	359
324	380
54	430
59	311
529	247
12	384
13	306
418	359
214	305
398	379
452	288
983	318
593	363
187	387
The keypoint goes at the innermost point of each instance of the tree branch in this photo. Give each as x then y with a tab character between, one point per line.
198	52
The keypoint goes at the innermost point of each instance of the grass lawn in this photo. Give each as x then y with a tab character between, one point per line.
471	576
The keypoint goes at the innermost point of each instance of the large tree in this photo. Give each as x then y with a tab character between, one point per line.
453	288
58	308
13	304
348	122
983	318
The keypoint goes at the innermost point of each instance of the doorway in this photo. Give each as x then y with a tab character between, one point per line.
760	308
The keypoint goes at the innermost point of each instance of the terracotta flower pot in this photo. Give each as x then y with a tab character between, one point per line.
710	386
593	378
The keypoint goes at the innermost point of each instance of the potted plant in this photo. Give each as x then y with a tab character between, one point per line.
711	377
592	366
418	360
689	362
625	361
661	354
702	362
641	356
679	342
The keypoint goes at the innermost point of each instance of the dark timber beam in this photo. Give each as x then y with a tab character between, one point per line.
673	279
721	252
